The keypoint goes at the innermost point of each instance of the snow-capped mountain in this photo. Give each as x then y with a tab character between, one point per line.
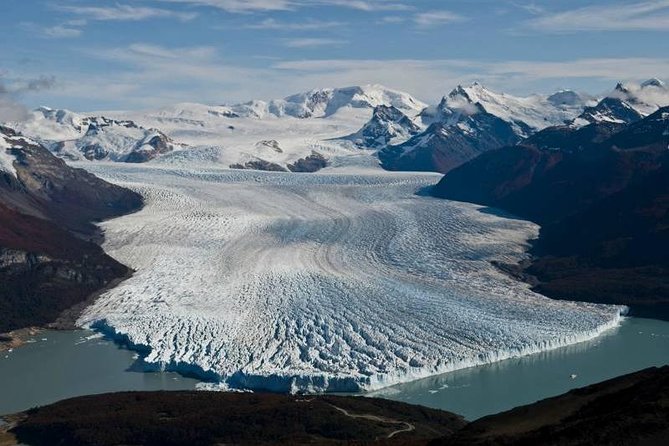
446	144
388	125
333	123
627	103
525	114
465	116
609	109
276	134
323	102
471	120
74	136
8	140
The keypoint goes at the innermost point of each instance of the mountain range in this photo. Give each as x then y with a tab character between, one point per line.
407	134
472	120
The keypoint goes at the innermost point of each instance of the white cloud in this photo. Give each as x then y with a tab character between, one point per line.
136	76
65	30
138	52
125	13
365	5
62	31
430	19
531	8
11	110
637	16
391	19
613	69
311	42
242	6
294	26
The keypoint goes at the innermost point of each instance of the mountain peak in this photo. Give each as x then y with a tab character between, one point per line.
653	82
621	88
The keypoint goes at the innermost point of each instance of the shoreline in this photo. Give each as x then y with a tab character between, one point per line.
66	321
17	338
285	384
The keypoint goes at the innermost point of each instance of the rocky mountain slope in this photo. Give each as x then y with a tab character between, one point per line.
444	145
601	194
48	261
628	410
388	125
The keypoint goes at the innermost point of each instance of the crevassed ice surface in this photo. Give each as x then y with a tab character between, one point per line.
321	282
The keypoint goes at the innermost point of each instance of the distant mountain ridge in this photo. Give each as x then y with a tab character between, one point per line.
321	103
408	134
465	121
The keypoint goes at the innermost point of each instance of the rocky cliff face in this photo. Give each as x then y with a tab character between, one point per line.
48	261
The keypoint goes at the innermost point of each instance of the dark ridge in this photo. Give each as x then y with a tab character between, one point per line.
628	410
48	261
601	194
208	418
631	410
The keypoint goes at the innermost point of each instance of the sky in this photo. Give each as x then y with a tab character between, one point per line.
89	55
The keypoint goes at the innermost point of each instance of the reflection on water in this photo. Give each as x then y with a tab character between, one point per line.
480	391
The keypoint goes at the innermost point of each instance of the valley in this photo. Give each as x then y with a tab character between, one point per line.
274	253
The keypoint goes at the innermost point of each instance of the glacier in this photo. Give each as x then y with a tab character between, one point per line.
344	280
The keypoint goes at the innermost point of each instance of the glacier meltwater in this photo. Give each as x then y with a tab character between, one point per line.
335	281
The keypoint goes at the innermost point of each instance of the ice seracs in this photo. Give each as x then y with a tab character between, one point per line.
336	281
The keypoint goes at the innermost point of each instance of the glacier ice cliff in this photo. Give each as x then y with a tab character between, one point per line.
321	282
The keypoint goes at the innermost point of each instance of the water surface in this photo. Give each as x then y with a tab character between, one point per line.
479	391
63	364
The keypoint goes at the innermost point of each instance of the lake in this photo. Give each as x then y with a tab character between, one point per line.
63	364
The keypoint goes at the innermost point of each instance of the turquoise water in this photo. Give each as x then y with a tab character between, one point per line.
63	364
489	389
